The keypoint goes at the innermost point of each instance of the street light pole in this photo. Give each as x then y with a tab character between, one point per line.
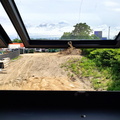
109	32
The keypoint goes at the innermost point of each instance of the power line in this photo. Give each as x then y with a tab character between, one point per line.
80	9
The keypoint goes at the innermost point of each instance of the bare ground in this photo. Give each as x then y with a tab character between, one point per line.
40	71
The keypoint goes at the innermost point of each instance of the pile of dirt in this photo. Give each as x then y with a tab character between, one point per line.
71	50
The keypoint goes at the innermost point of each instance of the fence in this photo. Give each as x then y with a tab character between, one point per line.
11	55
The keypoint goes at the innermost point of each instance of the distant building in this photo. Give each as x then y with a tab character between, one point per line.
98	34
104	38
15	45
0	49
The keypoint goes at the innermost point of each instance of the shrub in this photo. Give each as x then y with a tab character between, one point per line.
31	51
105	57
101	65
87	51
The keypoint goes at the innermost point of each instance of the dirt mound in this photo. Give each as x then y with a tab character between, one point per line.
71	51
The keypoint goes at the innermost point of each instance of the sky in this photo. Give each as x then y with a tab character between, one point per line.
51	18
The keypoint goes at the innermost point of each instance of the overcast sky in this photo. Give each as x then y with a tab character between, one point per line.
50	18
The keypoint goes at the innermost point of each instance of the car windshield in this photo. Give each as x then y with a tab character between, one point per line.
49	68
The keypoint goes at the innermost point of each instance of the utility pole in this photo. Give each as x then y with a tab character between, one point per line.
109	32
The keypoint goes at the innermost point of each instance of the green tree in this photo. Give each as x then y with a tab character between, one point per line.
81	31
94	37
16	40
66	35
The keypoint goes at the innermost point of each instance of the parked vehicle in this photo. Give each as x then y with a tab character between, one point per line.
38	50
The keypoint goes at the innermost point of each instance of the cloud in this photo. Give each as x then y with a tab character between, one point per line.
53	25
49	29
2	18
10	30
43	25
116	9
62	24
111	3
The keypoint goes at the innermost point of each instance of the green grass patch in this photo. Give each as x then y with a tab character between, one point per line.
87	68
16	58
108	62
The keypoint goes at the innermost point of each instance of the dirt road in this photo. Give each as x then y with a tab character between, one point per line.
40	71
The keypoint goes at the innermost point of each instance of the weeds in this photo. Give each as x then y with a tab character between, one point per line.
16	58
102	65
87	68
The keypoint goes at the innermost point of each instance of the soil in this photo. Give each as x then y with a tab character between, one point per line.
40	71
71	51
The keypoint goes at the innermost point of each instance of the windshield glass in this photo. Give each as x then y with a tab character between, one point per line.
52	19
7	25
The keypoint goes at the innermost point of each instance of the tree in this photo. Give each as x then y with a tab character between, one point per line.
94	37
66	35
81	31
16	40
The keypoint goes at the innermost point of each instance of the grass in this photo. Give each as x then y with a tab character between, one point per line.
87	68
16	58
108	62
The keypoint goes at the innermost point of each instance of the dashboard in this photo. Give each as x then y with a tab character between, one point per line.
59	105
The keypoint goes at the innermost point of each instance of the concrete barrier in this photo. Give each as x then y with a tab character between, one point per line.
5	62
